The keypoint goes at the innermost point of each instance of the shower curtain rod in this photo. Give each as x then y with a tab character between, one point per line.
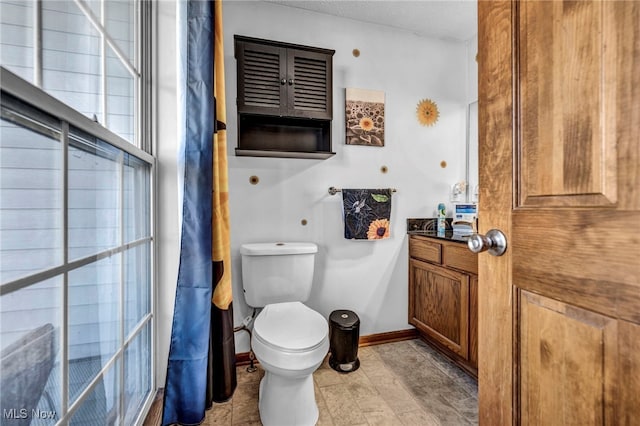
333	190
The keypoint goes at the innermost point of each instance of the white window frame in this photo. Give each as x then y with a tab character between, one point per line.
142	55
29	94
35	97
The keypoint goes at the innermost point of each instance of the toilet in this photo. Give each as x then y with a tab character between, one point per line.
289	339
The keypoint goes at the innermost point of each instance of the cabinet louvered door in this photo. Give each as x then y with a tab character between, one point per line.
309	81
261	71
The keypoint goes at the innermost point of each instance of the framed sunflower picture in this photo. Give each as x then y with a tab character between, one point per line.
364	117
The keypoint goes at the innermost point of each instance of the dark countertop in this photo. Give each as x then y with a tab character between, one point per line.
448	236
427	228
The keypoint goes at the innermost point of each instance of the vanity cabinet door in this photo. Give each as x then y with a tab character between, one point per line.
439	305
473	321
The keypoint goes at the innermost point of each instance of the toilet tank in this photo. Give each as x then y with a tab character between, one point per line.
277	272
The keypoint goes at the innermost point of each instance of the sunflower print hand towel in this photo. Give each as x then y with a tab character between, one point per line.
367	213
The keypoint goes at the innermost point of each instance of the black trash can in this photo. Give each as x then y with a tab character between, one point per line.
344	333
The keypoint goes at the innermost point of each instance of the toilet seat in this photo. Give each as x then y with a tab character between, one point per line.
290	327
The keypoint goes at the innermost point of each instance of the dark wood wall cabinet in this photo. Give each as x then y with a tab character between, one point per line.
443	298
284	99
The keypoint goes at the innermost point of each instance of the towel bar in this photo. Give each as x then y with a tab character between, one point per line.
333	190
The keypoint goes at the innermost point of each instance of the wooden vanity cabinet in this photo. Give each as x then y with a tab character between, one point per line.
443	297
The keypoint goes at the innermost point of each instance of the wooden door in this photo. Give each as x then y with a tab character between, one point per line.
559	114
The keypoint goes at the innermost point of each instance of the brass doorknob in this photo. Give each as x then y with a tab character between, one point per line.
494	242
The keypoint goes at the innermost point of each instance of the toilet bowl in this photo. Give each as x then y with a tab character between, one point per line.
290	341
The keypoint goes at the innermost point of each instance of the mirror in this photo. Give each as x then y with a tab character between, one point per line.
472	153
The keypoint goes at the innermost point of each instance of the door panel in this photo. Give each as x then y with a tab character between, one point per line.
568	154
559	113
628	399
563	362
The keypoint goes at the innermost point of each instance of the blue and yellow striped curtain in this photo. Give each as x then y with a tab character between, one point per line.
222	352
201	366
221	255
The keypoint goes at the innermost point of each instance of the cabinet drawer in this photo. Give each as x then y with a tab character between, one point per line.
425	249
459	257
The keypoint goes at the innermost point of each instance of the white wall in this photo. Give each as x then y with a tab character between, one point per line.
369	278
472	95
472	69
165	149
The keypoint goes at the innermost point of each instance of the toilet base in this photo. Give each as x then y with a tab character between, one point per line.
286	401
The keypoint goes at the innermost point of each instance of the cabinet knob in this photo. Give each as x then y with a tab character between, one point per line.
290	82
494	242
283	81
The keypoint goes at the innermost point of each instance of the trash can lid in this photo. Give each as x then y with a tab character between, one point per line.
344	319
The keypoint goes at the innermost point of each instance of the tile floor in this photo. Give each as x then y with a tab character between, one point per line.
402	383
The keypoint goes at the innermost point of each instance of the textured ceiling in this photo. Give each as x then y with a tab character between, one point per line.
446	19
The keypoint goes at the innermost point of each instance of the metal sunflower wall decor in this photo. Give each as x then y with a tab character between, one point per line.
427	112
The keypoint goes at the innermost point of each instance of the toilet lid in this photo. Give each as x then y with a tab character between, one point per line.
291	326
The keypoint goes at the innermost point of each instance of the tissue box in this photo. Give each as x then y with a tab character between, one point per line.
464	219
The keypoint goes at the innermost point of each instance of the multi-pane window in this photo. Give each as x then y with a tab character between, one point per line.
76	240
85	53
75	278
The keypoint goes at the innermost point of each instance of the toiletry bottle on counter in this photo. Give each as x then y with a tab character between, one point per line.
441	220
